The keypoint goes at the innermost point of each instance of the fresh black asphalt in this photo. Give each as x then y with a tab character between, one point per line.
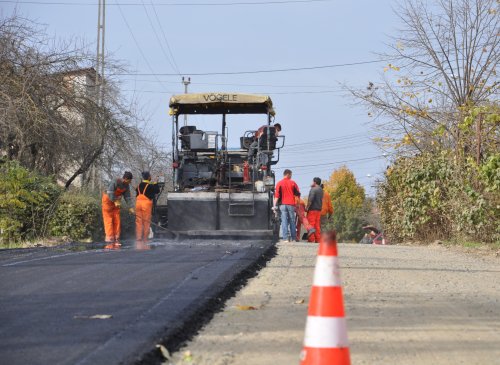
47	297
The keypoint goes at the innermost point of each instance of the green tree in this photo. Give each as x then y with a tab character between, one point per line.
349	204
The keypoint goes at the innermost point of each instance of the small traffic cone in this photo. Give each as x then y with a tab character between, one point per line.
325	340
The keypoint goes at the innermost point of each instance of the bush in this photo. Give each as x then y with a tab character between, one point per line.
435	196
26	204
78	216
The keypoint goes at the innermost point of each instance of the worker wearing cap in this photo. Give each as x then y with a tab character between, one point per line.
146	193
111	201
285	193
327	207
314	205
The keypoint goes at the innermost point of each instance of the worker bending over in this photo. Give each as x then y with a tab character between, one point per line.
111	201
314	205
146	193
300	211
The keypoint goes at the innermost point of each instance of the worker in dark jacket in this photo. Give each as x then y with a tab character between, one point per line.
146	193
285	193
111	201
314	205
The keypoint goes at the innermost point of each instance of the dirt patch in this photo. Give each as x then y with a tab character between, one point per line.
472	248
404	305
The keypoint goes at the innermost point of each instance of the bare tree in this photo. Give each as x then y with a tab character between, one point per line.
147	154
443	66
49	120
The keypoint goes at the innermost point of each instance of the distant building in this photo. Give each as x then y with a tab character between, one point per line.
83	83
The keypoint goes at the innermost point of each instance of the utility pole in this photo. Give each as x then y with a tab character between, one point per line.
99	73
101	26
186	81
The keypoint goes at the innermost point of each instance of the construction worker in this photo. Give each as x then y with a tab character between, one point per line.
111	201
326	208
255	144
263	129
314	205
284	196
146	192
300	210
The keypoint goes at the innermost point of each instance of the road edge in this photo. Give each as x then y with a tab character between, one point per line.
176	337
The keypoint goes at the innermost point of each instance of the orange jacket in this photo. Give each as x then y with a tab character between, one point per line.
327	207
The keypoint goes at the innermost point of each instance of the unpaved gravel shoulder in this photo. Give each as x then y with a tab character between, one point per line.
404	305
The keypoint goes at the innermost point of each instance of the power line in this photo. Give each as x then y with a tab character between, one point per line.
239	84
317	156
306	155
255	71
158	38
306	92
326	170
339	162
136	42
323	170
267	93
284	86
325	147
326	144
236	3
165	38
334	139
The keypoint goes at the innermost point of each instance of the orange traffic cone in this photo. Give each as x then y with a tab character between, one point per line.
325	341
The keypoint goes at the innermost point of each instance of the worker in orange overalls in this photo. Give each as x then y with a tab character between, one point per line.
314	205
300	210
327	207
146	192
111	201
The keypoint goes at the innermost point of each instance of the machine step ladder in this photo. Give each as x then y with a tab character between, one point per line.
241	208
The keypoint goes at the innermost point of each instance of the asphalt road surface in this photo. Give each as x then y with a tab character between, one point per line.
49	298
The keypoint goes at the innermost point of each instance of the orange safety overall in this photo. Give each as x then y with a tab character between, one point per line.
300	210
143	210
111	216
314	217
